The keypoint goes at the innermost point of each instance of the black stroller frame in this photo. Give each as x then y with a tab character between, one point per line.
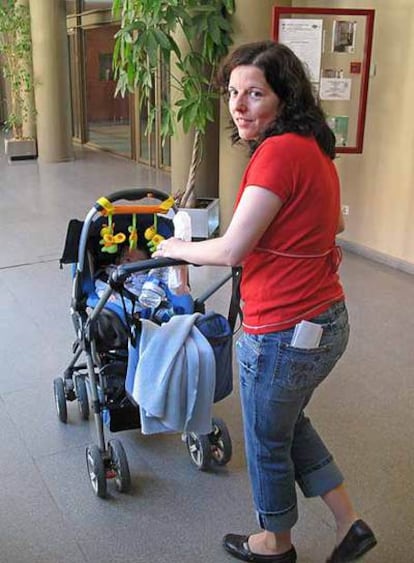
98	382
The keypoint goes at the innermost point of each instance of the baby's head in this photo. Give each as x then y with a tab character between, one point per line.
133	255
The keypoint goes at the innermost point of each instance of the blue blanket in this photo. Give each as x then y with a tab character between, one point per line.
175	377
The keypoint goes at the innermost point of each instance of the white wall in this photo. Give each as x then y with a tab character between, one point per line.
378	185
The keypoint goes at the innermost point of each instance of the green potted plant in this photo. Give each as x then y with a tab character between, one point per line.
147	40
16	61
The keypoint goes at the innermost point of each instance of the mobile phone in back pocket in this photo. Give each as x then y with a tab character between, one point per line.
306	335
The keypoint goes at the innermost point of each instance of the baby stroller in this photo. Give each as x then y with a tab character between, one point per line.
107	332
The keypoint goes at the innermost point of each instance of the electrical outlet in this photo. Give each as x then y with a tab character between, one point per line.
345	210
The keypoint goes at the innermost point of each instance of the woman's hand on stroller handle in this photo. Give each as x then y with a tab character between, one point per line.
168	247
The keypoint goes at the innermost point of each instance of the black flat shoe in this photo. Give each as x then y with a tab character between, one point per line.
238	546
359	539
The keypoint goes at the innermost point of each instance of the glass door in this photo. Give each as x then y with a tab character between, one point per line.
74	49
99	118
151	149
108	123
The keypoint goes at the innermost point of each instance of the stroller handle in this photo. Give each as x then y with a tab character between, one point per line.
131	194
125	270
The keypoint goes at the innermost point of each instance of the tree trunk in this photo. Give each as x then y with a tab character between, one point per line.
188	198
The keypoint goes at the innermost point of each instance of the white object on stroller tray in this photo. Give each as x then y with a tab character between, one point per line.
178	275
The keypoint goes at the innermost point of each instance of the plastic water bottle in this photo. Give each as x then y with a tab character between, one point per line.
152	294
135	282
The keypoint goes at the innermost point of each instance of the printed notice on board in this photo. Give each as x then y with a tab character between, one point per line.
304	37
335	89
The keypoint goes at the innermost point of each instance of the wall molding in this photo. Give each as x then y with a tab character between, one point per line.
377	256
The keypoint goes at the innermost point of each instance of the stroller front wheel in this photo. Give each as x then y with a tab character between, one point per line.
119	463
96	470
198	446
82	396
60	399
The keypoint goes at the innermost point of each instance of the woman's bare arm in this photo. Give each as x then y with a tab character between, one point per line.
255	211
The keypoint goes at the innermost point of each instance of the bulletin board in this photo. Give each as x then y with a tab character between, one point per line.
335	47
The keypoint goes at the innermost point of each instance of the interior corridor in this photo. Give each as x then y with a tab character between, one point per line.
174	513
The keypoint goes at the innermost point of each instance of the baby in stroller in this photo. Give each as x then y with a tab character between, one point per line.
111	299
135	298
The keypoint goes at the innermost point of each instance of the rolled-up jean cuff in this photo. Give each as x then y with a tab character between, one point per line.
273	522
320	481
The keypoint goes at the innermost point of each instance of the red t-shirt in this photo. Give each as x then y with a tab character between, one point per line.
291	275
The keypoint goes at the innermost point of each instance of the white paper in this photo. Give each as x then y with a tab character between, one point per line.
335	89
304	37
178	275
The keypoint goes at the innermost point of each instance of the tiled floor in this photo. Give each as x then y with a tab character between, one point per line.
175	514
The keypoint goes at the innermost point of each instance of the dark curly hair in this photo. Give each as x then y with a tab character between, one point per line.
300	110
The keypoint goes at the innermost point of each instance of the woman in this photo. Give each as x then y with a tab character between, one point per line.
283	234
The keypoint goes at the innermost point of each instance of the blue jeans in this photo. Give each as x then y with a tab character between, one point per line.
276	383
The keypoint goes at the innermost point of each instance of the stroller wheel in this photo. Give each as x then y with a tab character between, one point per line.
220	442
82	396
198	446
119	464
60	399
96	470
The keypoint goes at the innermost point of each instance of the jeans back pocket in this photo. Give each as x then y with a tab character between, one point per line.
303	368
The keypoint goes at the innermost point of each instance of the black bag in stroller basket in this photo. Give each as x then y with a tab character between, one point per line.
217	330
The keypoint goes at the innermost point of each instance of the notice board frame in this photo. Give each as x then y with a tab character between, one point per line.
360	67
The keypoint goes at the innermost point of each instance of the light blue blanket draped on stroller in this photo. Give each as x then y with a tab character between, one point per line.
174	384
